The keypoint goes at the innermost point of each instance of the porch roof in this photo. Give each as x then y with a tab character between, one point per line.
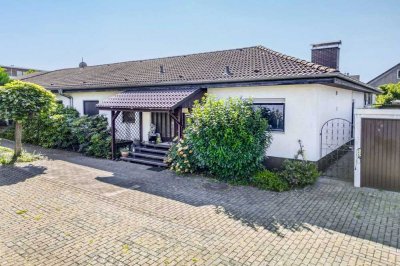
152	100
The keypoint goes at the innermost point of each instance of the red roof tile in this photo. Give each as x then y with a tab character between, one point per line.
155	99
249	63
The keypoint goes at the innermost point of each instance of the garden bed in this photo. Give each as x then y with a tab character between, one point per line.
7	156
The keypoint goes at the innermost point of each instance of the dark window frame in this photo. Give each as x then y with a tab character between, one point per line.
283	115
368	98
84	107
127	118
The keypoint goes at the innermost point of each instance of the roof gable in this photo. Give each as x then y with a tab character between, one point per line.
384	73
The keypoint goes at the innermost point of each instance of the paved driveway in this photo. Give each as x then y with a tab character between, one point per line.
71	209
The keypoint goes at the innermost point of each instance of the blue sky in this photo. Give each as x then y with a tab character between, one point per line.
50	34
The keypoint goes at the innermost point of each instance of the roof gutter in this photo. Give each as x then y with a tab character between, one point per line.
71	99
334	75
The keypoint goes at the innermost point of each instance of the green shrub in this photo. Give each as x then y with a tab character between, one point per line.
54	130
300	172
93	135
181	158
270	181
64	129
7	132
229	138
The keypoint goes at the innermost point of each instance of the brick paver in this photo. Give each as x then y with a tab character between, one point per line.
85	211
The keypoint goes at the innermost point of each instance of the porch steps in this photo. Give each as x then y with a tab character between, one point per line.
145	161
149	154
151	150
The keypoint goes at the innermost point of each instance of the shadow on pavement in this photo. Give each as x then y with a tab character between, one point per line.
10	175
330	204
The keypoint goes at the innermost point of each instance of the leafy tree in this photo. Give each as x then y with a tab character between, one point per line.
4	78
391	92
21	101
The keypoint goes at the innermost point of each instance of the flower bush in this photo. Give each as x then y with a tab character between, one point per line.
181	158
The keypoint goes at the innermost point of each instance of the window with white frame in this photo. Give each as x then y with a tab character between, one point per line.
274	112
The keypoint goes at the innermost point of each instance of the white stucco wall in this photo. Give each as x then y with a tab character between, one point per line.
336	103
307	108
359	115
79	97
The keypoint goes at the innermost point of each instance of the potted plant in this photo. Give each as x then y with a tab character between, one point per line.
124	152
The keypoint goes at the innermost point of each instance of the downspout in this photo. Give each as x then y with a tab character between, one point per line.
71	99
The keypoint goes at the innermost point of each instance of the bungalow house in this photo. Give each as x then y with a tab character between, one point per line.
299	96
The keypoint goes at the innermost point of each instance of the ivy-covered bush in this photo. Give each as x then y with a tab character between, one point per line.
269	180
229	138
181	158
299	172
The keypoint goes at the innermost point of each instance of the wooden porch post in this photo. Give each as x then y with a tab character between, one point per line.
141	126
179	115
178	125
114	115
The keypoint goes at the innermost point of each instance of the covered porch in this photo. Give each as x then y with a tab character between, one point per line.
146	121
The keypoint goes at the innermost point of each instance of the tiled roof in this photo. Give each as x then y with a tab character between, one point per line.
249	63
160	99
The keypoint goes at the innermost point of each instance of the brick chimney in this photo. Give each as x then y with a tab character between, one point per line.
326	54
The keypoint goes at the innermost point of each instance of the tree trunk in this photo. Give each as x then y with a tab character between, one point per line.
18	139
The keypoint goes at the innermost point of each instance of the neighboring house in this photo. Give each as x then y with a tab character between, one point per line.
391	75
17	72
301	95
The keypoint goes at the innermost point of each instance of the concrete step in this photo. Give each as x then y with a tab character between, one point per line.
164	146
149	155
151	150
144	161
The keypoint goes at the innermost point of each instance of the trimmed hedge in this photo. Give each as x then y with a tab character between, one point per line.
64	129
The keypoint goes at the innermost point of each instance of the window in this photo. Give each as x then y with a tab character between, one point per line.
367	99
274	113
128	117
398	73
89	108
